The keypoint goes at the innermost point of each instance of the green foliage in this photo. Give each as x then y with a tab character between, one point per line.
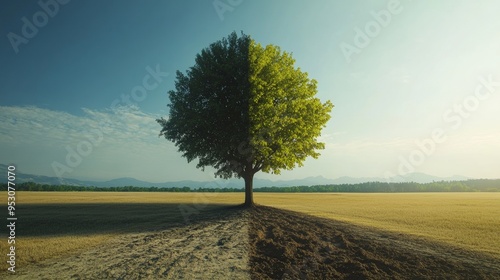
209	107
285	117
243	108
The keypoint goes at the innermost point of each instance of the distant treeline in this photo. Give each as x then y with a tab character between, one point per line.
480	185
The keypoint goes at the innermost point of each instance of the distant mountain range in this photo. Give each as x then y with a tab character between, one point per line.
219	183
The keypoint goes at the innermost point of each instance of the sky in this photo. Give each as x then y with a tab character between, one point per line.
415	84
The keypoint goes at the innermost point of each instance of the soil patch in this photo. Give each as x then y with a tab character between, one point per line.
213	245
290	245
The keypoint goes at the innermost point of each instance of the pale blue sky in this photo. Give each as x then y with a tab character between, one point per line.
397	72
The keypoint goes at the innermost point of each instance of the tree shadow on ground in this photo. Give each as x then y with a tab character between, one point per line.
291	245
37	220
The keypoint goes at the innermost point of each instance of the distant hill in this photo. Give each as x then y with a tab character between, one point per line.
219	183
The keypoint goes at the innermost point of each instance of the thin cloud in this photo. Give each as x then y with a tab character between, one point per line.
32	124
126	142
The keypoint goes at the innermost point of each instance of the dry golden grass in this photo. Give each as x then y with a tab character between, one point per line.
35	249
467	220
53	224
125	197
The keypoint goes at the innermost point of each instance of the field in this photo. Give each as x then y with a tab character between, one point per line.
115	235
468	220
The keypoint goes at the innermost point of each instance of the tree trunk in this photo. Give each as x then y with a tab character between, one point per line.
249	190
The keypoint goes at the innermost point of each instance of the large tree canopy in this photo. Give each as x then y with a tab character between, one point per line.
243	108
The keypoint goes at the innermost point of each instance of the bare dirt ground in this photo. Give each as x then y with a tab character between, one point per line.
266	243
209	247
290	245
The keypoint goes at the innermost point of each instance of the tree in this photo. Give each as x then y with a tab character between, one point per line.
244	108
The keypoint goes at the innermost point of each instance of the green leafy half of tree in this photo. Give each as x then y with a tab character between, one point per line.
244	108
